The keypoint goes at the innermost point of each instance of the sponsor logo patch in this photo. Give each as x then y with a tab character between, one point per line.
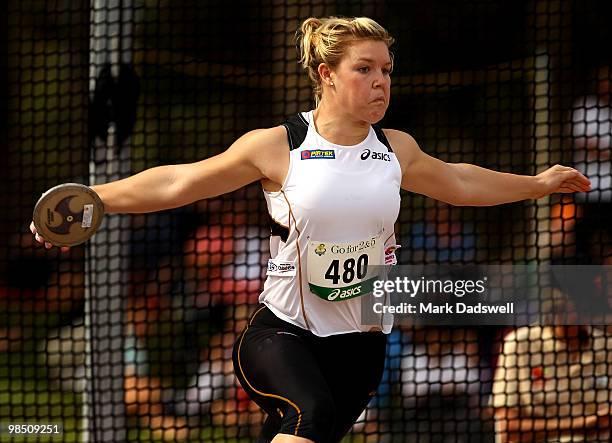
375	155
390	257
344	293
280	268
318	153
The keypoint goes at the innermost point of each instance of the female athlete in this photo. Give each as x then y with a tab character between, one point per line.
332	181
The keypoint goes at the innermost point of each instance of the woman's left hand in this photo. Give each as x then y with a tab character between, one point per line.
561	179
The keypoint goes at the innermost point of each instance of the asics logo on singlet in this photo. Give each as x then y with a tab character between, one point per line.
346	293
375	155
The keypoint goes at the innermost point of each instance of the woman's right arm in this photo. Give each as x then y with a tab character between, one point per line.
248	159
261	154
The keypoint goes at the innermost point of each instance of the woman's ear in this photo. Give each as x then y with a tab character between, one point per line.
326	74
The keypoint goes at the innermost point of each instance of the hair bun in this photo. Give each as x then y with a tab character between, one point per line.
310	25
305	40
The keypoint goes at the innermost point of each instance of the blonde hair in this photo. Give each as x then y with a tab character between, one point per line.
325	40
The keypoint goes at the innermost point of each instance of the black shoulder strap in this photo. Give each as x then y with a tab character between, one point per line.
296	128
382	137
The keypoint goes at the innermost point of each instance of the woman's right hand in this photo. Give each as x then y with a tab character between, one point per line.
42	241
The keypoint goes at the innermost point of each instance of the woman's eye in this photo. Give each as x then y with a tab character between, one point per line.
386	71
364	69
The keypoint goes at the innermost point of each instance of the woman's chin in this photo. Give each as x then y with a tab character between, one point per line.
376	115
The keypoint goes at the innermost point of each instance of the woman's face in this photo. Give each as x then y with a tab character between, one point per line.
362	81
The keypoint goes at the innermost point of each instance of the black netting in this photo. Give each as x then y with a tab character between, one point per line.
139	325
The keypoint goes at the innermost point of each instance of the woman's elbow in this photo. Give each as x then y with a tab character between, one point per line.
458	198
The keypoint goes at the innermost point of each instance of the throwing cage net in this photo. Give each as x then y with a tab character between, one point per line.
129	338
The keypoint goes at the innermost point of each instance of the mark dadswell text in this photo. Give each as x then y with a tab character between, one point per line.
444	308
463	308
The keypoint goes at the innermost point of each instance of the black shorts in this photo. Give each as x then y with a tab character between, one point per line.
312	387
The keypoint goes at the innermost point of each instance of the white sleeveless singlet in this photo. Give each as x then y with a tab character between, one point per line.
333	196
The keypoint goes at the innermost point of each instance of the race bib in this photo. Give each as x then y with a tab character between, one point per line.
341	271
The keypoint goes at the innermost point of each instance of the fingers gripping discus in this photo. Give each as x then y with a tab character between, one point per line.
68	214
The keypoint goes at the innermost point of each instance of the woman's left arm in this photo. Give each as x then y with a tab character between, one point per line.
464	184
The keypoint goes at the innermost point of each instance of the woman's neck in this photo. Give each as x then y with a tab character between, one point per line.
339	127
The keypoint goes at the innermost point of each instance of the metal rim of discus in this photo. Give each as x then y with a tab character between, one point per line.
68	214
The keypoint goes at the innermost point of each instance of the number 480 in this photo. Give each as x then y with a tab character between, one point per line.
349	271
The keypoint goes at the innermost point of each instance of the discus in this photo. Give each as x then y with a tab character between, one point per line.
68	214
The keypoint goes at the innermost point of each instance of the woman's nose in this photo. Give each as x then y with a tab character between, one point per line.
379	80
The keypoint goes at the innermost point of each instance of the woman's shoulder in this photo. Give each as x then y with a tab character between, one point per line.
267	135
399	137
401	141
263	141
259	145
404	146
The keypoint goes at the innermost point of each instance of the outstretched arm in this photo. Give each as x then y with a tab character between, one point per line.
171	186
465	184
258	155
